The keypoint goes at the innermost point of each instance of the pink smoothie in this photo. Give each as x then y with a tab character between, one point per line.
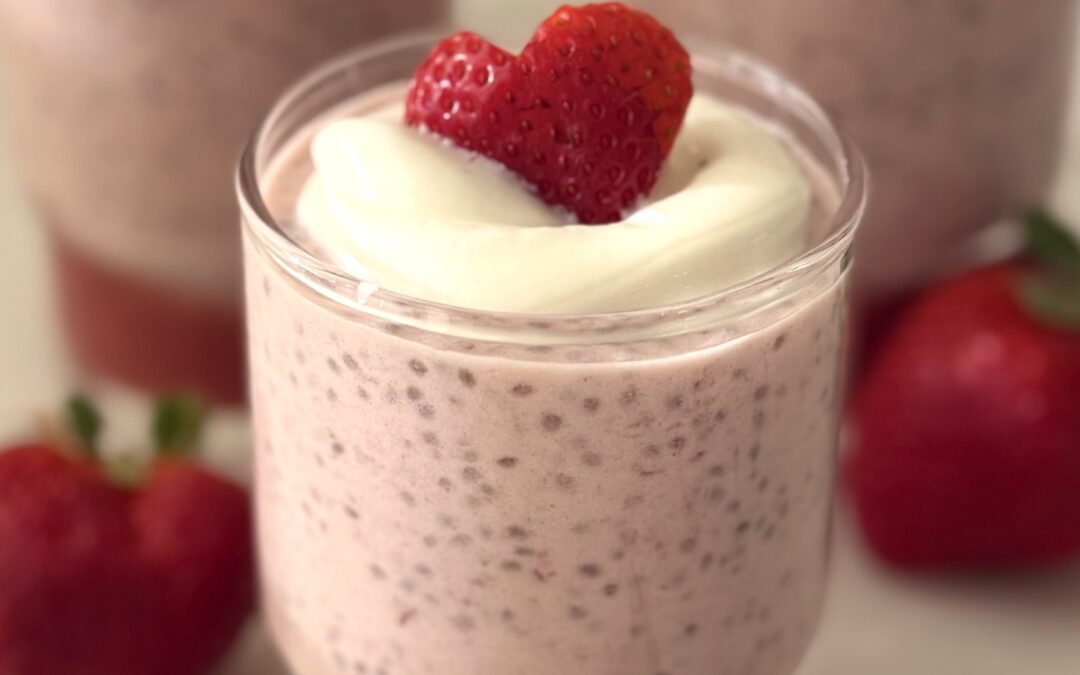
449	492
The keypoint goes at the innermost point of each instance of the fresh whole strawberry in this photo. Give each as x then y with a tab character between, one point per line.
104	577
967	424
586	114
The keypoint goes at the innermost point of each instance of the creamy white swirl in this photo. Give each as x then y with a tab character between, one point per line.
417	215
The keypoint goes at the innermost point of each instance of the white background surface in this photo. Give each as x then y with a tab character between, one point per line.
875	623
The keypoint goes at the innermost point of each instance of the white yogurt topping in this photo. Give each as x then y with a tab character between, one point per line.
419	216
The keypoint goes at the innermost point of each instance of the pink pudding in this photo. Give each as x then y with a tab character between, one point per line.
466	486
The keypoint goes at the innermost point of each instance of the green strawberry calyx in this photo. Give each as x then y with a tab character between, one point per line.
1050	291
83	421
176	426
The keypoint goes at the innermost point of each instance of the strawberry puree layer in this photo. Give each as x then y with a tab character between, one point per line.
145	334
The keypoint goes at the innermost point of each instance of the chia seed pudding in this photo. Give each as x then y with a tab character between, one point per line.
450	491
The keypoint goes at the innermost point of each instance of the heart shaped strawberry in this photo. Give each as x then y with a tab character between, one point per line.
586	114
106	570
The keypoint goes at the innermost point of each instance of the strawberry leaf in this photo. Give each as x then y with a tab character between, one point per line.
177	424
84	420
1051	291
1052	245
1052	303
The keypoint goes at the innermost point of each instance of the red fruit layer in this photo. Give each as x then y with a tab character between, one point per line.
147	335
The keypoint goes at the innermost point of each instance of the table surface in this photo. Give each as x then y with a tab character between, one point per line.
875	622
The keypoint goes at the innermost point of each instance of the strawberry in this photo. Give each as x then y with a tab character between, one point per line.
967	450
102	578
586	113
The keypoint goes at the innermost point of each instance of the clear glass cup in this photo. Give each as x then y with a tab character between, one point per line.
450	491
958	105
127	117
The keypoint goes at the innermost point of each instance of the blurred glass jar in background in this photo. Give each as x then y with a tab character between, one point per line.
128	118
957	104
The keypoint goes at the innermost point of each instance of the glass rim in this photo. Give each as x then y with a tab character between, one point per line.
314	271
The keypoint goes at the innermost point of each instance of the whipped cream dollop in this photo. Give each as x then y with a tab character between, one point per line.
414	214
